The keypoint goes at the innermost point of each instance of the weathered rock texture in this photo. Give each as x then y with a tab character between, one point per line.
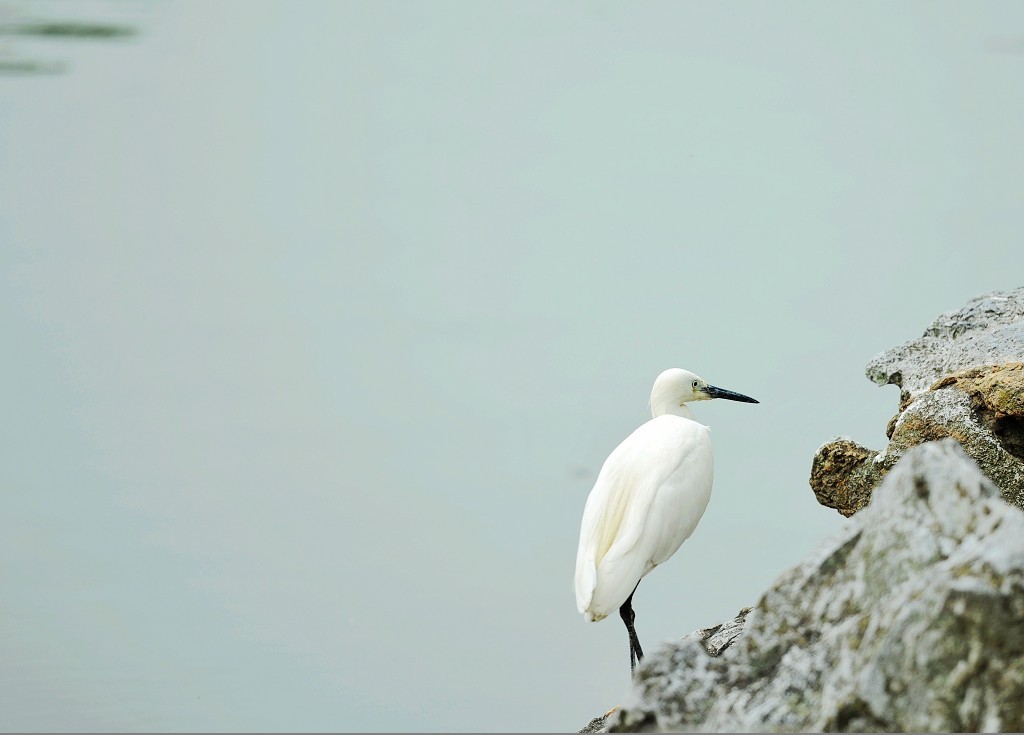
962	379
717	638
987	330
911	619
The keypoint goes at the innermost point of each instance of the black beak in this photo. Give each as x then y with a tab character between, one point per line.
715	392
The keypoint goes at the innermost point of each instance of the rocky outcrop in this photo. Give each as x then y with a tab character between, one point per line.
987	330
714	640
911	619
962	379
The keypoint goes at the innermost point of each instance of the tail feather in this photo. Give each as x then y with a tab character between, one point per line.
586	581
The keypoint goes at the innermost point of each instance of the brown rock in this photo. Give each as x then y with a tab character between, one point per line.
843	474
982	408
1000	388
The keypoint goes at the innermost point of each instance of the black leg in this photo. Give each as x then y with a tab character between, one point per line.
636	654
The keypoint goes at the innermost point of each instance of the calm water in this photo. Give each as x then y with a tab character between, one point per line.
321	318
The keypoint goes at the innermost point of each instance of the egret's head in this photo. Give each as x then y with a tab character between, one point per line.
676	387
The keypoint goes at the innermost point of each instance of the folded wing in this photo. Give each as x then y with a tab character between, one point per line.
648	497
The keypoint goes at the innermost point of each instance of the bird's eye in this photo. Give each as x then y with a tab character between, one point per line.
695	384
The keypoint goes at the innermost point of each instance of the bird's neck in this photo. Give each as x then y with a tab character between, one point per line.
671	409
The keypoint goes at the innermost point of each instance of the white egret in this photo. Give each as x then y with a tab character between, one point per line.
648	498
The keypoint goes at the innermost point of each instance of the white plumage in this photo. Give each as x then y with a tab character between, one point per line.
649	496
651	493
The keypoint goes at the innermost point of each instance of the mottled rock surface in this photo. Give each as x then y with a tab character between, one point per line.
911	619
987	330
717	638
843	475
962	379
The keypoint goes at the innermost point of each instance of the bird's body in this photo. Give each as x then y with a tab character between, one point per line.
649	496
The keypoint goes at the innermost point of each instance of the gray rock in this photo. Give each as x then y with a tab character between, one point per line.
714	640
962	379
717	638
598	724
911	619
988	330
